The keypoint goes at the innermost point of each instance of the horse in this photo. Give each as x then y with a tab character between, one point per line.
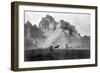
57	46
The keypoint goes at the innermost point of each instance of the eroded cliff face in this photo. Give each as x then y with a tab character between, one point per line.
53	33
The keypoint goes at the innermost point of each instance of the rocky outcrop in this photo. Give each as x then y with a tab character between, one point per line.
47	24
61	35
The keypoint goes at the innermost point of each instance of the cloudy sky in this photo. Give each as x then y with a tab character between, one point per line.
81	21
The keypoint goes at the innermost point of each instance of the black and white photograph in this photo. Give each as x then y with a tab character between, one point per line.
53	36
56	35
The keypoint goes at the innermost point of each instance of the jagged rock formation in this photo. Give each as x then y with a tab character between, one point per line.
32	36
47	23
53	33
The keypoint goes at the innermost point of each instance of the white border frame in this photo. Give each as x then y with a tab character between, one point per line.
23	64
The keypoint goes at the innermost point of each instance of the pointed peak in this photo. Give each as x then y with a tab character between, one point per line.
28	23
49	17
35	25
64	22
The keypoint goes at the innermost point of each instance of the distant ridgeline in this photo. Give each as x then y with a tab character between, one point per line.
50	33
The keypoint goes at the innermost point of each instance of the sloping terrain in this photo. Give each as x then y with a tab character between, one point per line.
51	33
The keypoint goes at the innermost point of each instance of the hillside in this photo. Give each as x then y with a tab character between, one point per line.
52	33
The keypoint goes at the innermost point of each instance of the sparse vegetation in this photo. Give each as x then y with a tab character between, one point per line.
56	54
54	40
